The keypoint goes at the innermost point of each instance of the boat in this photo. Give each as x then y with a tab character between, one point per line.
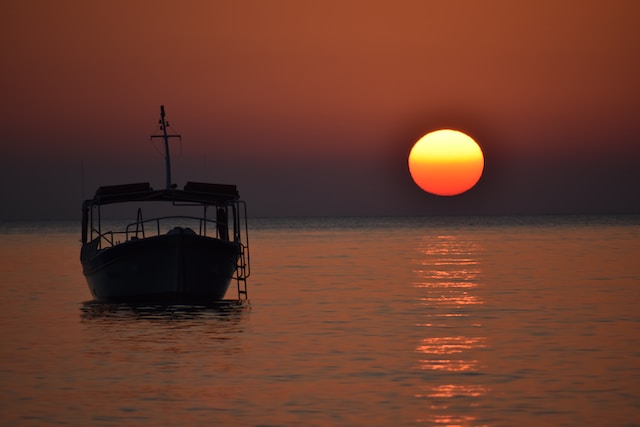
190	249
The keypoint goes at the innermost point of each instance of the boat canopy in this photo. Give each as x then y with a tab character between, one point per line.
193	192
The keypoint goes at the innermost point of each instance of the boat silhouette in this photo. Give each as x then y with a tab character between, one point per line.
191	254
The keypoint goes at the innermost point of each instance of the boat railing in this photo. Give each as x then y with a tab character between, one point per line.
136	229
158	226
107	237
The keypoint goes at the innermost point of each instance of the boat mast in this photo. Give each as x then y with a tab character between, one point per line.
165	136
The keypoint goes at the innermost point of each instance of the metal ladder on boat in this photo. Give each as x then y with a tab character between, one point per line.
242	272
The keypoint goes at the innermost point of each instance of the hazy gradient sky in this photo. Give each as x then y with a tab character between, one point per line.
311	107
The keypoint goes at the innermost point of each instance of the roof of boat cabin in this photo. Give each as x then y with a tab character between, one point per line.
193	192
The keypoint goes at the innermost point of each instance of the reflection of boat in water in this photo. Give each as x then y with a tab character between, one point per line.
224	310
189	256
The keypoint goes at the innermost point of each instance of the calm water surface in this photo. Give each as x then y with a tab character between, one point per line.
436	322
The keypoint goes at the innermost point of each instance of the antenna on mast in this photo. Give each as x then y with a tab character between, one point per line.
165	136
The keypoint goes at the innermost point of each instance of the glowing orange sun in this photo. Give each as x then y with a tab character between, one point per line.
446	162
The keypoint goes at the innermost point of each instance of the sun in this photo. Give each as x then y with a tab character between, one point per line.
446	162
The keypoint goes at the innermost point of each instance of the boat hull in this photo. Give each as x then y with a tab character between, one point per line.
177	266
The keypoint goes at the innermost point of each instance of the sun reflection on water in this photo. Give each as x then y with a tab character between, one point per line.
447	274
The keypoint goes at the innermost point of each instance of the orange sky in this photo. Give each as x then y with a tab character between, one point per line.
312	107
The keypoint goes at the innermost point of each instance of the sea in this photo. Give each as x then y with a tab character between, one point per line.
422	321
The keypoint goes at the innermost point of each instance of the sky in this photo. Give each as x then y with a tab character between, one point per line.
311	108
